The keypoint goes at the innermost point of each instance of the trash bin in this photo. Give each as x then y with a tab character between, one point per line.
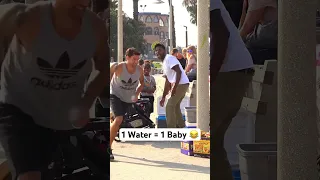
258	161
191	114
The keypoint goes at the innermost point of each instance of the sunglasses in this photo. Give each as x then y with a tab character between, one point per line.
189	51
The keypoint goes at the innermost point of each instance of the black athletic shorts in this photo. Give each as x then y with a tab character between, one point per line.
118	107
28	147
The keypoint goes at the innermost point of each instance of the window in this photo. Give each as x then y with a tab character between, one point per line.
148	31
141	18
149	47
148	19
167	22
156	19
161	22
156	31
167	35
162	35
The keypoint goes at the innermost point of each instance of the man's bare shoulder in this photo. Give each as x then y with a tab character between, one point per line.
32	14
116	65
99	25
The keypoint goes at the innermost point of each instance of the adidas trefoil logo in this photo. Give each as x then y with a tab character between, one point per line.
57	74
62	69
129	83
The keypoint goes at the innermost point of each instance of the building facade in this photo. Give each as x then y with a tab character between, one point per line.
157	29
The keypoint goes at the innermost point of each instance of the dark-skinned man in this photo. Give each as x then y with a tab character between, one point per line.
177	83
231	71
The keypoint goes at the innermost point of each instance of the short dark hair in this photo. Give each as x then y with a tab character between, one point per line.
147	66
132	51
174	50
159	45
141	62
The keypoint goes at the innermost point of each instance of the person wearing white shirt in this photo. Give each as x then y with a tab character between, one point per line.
177	80
231	71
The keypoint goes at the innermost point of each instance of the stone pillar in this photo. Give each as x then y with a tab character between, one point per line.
297	136
203	105
120	31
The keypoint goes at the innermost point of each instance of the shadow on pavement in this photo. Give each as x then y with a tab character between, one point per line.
169	165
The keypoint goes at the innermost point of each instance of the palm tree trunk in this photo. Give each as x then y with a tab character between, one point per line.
135	9
173	27
174	30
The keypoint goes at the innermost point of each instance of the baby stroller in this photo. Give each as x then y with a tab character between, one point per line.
137	116
79	156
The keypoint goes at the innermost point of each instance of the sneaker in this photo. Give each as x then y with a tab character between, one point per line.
111	155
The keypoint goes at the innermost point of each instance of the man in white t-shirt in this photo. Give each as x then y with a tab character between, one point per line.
231	71
177	80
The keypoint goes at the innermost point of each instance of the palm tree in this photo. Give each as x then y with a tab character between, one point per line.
135	9
173	26
191	6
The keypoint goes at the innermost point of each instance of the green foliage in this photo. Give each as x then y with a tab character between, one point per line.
157	65
191	6
154	44
133	32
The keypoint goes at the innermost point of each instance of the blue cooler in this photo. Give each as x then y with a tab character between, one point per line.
161	121
236	174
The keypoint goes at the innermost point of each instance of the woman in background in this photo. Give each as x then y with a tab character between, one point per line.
184	53
191	68
259	29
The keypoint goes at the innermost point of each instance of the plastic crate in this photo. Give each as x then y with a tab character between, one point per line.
191	125
258	161
191	114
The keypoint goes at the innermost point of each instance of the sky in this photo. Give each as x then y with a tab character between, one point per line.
181	15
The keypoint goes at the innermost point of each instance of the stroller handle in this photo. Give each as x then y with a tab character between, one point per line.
143	100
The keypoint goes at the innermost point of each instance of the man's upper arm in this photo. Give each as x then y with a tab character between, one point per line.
218	27
141	75
215	4
9	17
101	57
113	69
260	4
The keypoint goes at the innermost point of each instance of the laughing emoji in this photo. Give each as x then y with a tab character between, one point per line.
194	134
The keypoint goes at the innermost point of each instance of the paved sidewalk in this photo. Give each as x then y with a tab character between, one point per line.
156	161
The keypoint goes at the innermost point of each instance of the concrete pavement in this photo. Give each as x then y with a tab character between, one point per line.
156	161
